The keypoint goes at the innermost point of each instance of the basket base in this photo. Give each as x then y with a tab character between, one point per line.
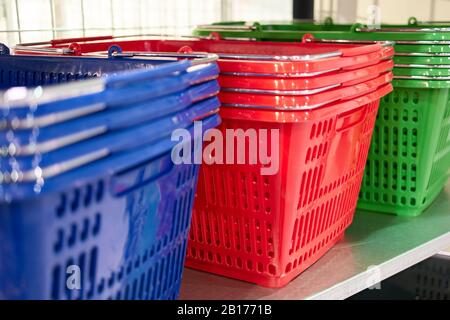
263	280
409	211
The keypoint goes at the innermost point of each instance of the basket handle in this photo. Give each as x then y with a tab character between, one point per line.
413	21
81	39
115	51
215	27
67	41
421	54
328	21
310	38
128	181
365	29
350	119
198	57
71	50
370	46
74	47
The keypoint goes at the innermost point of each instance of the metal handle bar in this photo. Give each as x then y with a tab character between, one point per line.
297	108
57	51
239	56
422	78
383	43
29	47
214	27
100	38
423	66
413	21
198	58
421	54
208	57
365	29
424	42
281	75
433	22
282	92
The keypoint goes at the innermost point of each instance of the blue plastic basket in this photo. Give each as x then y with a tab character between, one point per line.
111	119
78	154
121	221
115	87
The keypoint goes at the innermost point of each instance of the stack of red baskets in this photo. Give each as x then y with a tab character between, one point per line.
322	100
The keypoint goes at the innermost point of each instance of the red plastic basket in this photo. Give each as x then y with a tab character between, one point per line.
268	229
297	100
253	81
271	58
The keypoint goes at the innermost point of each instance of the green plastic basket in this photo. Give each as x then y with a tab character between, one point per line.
410	35
409	159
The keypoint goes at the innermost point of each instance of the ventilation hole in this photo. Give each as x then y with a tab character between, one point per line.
59	244
101	286
61	209
75	201
72	236
88	196
137	263
272	269
313	131
288	267
97	224
111	280
100	191
120	274
92	272
416	98
145	256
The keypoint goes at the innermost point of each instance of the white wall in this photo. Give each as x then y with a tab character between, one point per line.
39	20
392	11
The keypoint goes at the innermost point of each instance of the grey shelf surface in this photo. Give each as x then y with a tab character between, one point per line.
375	247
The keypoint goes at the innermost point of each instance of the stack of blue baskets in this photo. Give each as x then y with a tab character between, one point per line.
91	204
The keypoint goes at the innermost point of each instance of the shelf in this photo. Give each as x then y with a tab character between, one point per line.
390	243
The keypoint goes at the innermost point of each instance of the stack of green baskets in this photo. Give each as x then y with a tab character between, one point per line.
409	161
